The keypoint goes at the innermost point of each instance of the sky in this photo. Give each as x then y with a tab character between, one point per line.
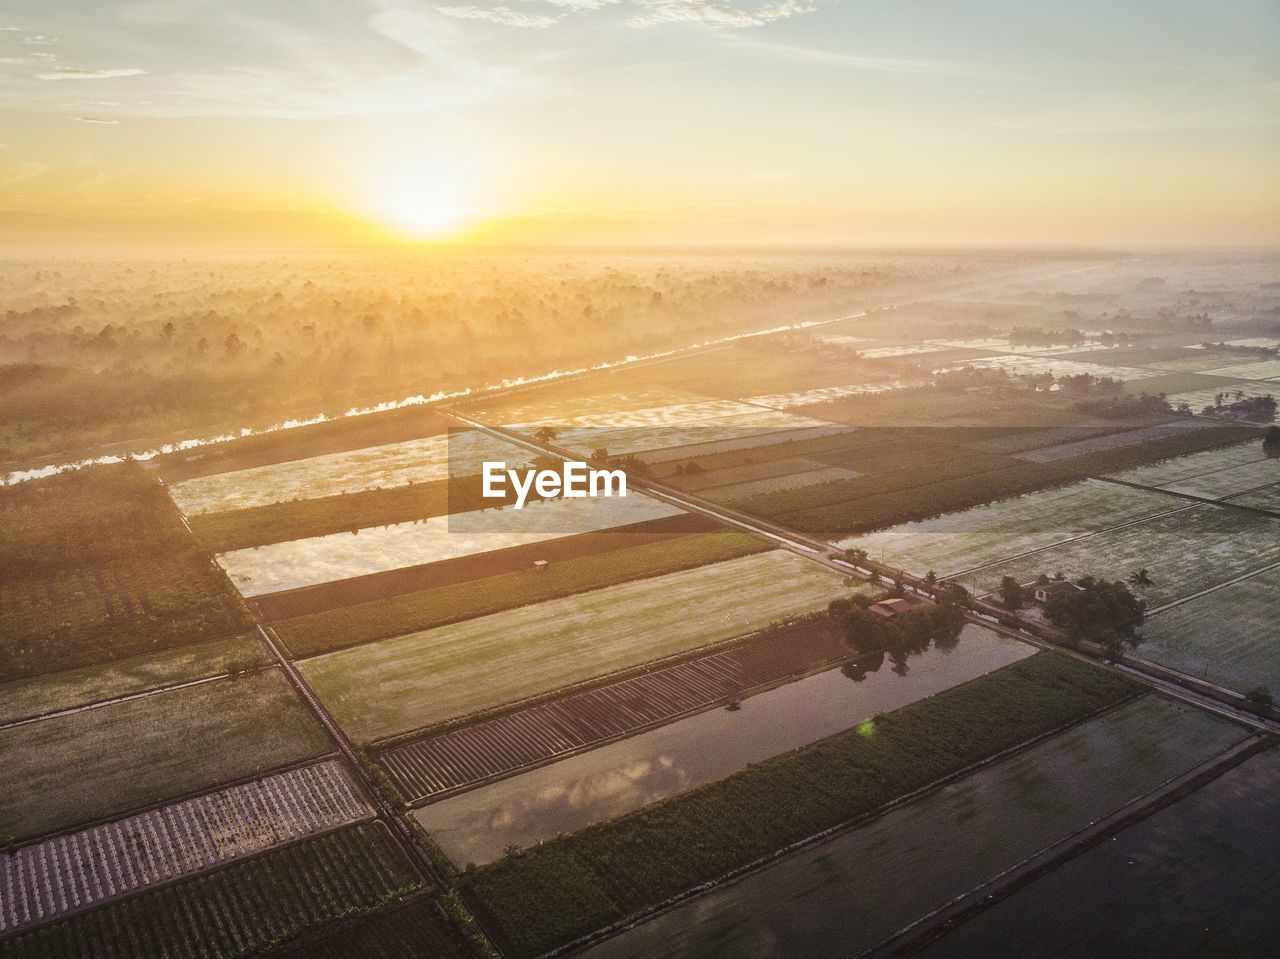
746	122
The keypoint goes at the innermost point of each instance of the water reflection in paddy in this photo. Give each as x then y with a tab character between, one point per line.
594	786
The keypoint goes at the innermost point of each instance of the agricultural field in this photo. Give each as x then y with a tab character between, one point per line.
413	929
1266	370
329	629
435	458
96	565
571	886
987	822
240	909
377	690
1230	636
1197	878
1179	469
1058	366
77	870
1267	498
1201	397
1185	552
25	698
968	539
616	779
80	767
338	556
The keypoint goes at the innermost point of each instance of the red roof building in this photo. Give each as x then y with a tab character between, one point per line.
889	608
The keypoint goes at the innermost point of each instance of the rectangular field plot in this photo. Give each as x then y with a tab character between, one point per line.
985	534
70	688
1185	552
743	425
1267	370
323	559
1182	469
84	766
1200	398
471	754
1266	498
1033	365
825	394
621	777
81	869
1225	483
460	453
239	910
1116	440
986	823
364	617
1198	878
418	680
414	929
1230	636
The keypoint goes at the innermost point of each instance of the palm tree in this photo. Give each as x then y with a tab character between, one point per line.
1140	578
545	435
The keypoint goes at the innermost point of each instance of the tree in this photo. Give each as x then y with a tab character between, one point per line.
544	435
599	457
1101	611
1271	441
1140	578
1011	593
931	579
855	556
1260	698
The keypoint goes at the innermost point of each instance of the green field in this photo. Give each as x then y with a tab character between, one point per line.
958	541
1230	637
1194	464
85	766
573	885
95	565
986	823
415	929
93	684
1184	552
242	909
424	678
351	625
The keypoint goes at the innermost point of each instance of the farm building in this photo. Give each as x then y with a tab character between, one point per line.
1044	591
888	608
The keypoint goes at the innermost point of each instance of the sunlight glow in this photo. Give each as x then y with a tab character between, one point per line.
422	203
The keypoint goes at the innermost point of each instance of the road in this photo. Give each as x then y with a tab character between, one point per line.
422	863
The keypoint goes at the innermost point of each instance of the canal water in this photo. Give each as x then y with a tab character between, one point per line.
477	826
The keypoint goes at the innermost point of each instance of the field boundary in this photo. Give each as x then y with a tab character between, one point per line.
128	697
1213	589
1203	500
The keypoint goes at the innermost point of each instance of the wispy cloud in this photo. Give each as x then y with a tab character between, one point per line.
27	170
718	14
75	73
38	40
501	15
96	120
852	60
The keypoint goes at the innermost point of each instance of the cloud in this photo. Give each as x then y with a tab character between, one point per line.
27	170
38	40
717	14
852	60
502	15
74	73
95	120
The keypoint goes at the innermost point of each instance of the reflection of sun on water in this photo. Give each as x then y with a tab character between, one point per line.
422	204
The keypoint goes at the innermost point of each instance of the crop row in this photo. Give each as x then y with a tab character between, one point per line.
81	869
237	910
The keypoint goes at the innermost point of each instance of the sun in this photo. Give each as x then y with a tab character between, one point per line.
422	204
